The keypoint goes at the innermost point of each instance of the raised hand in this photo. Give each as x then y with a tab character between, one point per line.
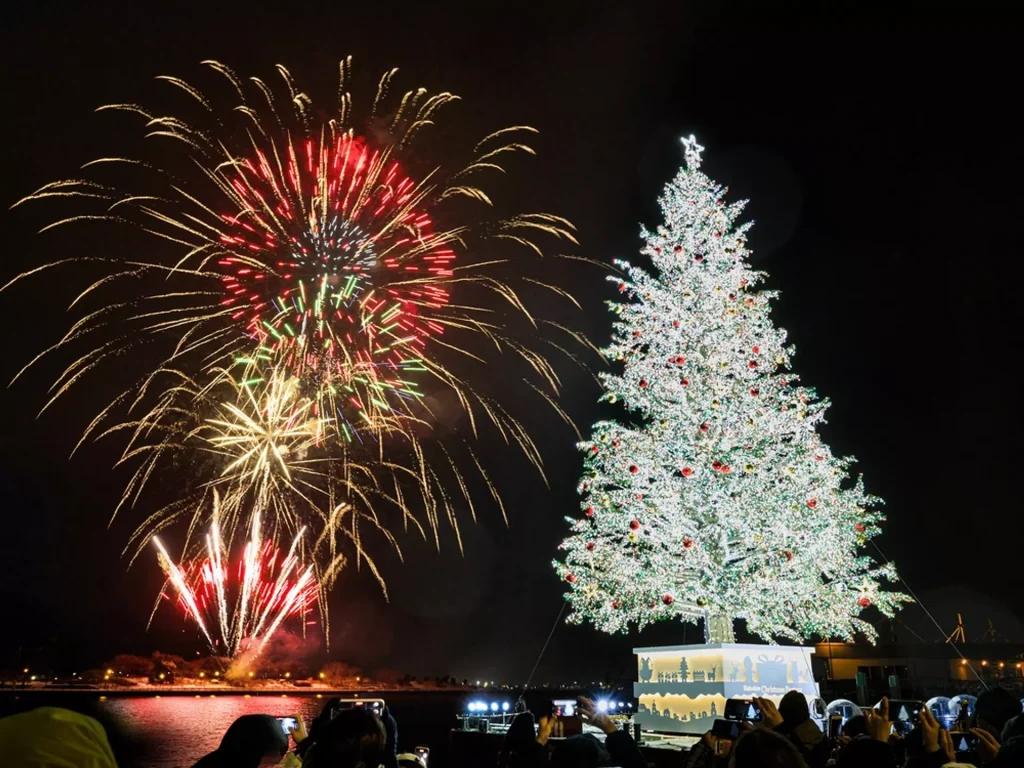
988	745
544	728
878	723
929	730
769	712
592	715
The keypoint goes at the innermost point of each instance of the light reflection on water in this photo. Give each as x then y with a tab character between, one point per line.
181	729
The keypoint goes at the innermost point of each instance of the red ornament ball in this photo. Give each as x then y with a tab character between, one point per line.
679	249
860	527
687	542
789	555
717	235
698	258
636	334
675	323
754	391
633	469
594	449
752	364
716	465
732	297
743	282
590	546
622	287
748	301
686	471
863	602
570	578
812	503
643	383
615	604
589	512
616	443
756	350
634	525
685	382
667	599
657	249
726	469
705	427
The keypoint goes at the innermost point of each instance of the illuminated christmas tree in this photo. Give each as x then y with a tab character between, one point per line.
717	500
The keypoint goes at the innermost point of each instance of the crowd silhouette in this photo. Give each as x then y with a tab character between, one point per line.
785	737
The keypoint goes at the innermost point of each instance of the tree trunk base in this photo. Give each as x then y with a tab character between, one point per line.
718	628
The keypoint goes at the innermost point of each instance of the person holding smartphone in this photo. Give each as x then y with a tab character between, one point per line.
618	748
249	742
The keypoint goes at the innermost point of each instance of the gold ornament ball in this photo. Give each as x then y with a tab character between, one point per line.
749	468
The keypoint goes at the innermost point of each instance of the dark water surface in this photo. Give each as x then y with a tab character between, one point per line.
171	731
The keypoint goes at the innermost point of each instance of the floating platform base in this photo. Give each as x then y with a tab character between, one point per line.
683	688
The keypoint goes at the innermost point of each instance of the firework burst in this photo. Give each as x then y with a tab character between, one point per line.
314	288
242	603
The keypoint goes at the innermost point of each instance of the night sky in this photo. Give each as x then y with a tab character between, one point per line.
882	155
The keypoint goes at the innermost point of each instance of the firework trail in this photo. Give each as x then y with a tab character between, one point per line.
312	287
270	479
247	601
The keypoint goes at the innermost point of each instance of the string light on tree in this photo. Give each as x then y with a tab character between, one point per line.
722	502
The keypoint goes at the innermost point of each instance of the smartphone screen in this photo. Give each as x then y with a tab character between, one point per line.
903	714
905	709
835	726
964	741
563	707
374	705
288	724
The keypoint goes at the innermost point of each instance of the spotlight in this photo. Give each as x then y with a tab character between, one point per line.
505	706
494	706
602	705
